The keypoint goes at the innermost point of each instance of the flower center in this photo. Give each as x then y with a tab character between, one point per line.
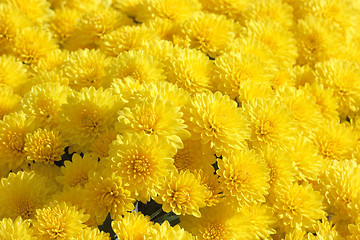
25	209
214	231
182	159
263	127
148	121
181	197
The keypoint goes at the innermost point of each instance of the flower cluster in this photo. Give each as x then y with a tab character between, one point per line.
180	119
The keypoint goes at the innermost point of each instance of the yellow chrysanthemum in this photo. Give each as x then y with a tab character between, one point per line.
318	40
77	172
38	11
324	230
43	102
64	22
137	64
86	68
91	234
194	156
276	38
271	122
9	102
209	32
190	69
101	145
343	76
232	69
214	192
260	220
216	120
22	193
182	193
58	221
142	161
89	112
13	73
15	230
303	106
153	115
105	193
165	232
298	204
31	44
244	177
132	225
273	10
95	24
218	222
126	38
44	146
11	20
13	130
174	10
335	141
309	165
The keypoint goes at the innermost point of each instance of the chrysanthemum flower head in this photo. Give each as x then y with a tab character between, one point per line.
132	225
142	161
209	32
9	102
126	38
174	10
272	123
43	102
215	119
218	222
13	130
298	204
153	115
44	146
190	69
343	77
276	38
13	73
105	193
31	44
58	221
77	172
17	229
137	64
244	177
90	112
232	69
181	193
22	193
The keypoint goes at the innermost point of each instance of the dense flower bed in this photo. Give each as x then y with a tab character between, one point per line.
179	119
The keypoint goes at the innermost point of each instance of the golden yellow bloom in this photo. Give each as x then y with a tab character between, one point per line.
31	44
244	177
105	193
132	225
209	32
174	10
44	146
100	146
38	11
343	76
43	102
78	171
22	193
190	69
86	68
276	38
13	73
89	112
15	230
182	193
216	120
58	221
232	69
13	130
137	64
142	161
9	102
218	222
298	204
126	38
272	123
153	115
